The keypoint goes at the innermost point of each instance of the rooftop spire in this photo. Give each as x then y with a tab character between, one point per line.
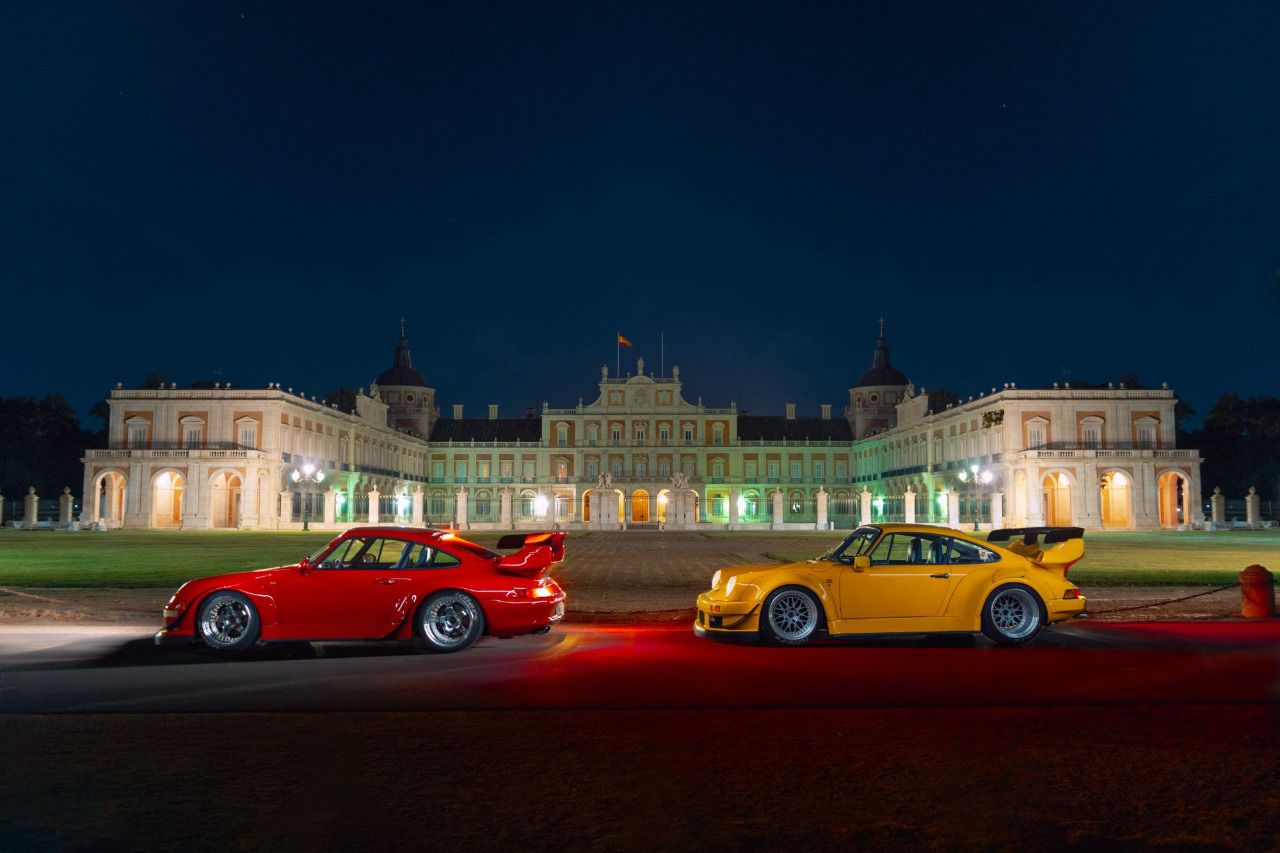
881	358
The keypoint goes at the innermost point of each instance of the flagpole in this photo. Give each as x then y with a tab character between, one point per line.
662	360
617	355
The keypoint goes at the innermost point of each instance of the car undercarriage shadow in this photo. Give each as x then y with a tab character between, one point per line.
144	652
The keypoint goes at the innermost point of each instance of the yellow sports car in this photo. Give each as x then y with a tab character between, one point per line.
904	578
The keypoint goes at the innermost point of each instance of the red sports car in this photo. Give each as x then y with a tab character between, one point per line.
378	583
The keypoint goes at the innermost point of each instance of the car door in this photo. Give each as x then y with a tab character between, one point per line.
908	578
353	593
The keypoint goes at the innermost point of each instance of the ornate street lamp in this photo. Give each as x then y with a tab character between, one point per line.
307	474
974	480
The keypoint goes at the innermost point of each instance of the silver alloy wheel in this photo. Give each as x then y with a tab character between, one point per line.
226	621
448	620
793	616
1015	613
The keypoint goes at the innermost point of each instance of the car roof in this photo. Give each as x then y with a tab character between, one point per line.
936	529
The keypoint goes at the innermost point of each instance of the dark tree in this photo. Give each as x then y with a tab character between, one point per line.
1240	444
343	398
41	442
940	398
154	381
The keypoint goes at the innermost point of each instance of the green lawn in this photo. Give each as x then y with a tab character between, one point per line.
129	558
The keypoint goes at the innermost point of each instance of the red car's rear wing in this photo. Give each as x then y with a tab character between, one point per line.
1059	548
537	552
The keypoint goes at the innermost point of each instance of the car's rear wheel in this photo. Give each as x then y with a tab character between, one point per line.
1013	615
450	621
228	622
791	616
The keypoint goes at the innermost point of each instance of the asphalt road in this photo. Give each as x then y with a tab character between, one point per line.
593	667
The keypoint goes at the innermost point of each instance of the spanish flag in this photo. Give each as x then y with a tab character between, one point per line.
623	341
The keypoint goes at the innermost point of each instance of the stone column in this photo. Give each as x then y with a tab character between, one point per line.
909	505
953	509
549	515
249	498
417	505
286	507
1193	512
460	508
331	507
1035	498
31	508
733	509
776	497
137	493
65	505
997	510
1146	512
1253	508
374	506
504	509
864	506
89	509
1219	504
822	509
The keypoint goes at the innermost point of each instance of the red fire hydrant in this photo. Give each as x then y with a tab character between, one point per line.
1257	593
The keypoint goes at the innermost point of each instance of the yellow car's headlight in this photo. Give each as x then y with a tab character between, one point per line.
728	589
715	579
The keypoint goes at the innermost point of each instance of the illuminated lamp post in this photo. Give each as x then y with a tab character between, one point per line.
974	480
307	474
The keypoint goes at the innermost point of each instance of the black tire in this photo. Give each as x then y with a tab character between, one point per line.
1012	615
791	616
228	622
449	621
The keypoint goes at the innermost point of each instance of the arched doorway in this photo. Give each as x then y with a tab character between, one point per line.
109	492
586	505
224	508
640	506
167	491
1174	491
1057	499
1116	494
663	498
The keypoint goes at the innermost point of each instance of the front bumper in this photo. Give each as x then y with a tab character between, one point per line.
1064	608
718	616
167	637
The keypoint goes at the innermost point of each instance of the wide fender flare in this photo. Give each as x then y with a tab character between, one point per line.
265	603
785	578
409	626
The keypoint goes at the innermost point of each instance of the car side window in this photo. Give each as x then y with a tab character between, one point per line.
339	556
893	549
417	556
444	560
963	551
368	552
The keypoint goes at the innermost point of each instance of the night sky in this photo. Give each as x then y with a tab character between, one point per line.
259	192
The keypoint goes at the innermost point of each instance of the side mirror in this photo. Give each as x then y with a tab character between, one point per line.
861	562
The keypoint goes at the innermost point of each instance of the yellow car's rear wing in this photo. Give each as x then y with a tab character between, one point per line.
1053	548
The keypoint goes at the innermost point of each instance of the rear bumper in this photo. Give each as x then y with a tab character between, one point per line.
1060	609
508	618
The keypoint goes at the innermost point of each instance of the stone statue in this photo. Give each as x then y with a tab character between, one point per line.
679	481
604	481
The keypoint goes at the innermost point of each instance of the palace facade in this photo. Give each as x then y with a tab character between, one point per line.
225	458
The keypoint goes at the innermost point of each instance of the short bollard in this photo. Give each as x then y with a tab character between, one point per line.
1257	593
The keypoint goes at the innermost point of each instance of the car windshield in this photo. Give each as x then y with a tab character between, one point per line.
857	542
314	559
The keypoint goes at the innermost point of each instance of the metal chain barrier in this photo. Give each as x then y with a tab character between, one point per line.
1164	602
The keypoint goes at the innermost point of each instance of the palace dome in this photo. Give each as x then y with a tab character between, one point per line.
882	371
401	371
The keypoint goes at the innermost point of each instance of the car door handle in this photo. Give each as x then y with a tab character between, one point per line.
943	575
386	581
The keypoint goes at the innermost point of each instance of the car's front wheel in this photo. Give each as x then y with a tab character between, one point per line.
450	621
228	622
791	616
1013	615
